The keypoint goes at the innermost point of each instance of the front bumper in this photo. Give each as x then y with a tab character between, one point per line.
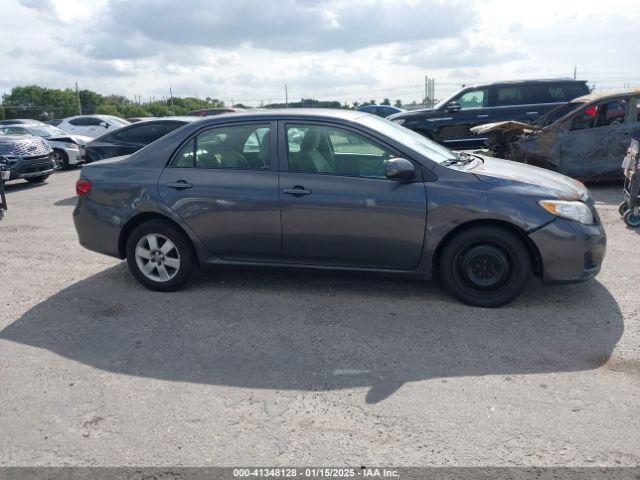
570	251
27	167
75	156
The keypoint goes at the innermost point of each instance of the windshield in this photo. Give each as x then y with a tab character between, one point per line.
45	131
556	113
416	142
446	100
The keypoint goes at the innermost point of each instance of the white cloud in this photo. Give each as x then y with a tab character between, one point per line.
344	49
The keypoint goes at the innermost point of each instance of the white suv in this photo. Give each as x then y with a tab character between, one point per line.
91	125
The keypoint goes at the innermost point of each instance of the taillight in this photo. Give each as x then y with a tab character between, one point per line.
83	187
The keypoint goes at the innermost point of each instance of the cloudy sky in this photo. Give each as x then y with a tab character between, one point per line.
247	50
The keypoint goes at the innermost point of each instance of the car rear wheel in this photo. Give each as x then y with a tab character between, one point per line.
485	266
39	179
160	256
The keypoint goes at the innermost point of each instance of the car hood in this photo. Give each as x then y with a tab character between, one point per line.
411	114
505	126
77	139
535	180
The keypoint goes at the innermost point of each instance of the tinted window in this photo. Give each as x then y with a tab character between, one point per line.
562	92
227	147
85	121
473	99
145	133
330	150
512	95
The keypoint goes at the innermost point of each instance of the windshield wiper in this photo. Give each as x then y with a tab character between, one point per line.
462	158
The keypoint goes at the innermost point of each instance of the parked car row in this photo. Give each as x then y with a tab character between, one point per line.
549	123
67	150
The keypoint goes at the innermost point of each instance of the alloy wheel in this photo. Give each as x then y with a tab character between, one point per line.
157	257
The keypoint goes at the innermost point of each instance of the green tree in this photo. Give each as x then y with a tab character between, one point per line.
386	101
398	103
109	109
90	101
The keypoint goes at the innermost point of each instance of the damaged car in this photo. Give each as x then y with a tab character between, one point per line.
585	138
68	150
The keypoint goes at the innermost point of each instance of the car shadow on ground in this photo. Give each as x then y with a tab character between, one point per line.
21	185
67	202
316	331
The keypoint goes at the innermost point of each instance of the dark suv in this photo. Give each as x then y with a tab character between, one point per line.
525	100
28	158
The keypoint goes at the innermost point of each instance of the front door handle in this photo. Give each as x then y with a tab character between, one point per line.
179	185
297	190
483	116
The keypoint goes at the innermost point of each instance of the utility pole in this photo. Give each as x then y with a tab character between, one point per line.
286	96
78	98
429	92
171	94
575	72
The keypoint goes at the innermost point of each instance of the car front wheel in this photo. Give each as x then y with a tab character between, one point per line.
485	266
160	256
61	159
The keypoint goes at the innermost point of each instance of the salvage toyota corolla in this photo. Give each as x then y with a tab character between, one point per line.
341	190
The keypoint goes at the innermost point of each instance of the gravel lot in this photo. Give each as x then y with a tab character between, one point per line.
305	368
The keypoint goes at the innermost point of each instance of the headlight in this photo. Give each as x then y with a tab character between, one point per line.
399	121
72	146
578	211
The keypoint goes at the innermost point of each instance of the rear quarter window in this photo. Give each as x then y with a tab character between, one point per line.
557	93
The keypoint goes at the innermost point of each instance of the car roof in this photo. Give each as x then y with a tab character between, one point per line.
603	95
96	115
164	119
377	105
287	113
521	82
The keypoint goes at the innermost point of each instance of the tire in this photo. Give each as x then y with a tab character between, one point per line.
39	179
631	220
169	267
61	159
623	207
485	266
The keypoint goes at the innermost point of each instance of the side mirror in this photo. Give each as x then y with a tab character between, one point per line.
399	169
453	106
104	124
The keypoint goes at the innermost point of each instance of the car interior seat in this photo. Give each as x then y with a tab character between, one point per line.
311	157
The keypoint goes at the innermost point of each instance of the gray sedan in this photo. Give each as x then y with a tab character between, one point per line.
341	190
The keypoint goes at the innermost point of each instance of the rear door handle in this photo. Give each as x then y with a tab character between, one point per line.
297	190
532	113
179	185
483	116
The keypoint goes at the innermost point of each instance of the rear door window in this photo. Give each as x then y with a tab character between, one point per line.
244	147
509	95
